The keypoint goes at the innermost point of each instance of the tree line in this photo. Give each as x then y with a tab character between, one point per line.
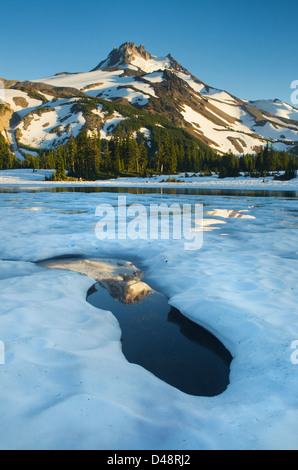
129	153
89	157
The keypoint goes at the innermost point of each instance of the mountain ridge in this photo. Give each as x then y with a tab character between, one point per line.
130	75
123	56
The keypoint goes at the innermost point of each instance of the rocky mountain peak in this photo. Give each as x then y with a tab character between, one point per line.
129	49
124	55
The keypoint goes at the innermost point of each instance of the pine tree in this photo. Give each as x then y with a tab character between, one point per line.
71	154
59	165
160	157
143	158
117	160
107	159
260	161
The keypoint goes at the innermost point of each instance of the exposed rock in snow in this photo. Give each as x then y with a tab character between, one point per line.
121	278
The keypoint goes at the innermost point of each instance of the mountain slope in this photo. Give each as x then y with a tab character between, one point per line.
45	112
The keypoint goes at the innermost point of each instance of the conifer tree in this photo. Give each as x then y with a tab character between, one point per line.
71	154
143	158
117	160
107	160
59	165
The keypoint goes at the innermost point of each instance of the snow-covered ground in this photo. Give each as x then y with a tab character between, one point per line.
109	84
278	108
65	383
27	178
219	136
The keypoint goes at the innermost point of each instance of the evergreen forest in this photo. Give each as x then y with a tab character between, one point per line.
126	153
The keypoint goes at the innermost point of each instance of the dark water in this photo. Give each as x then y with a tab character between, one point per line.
163	341
144	190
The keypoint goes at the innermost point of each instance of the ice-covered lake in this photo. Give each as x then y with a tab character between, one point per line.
167	344
66	383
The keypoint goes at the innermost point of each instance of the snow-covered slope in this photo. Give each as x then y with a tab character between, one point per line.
278	108
45	126
132	76
105	84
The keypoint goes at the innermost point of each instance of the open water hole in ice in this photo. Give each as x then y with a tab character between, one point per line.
162	340
159	338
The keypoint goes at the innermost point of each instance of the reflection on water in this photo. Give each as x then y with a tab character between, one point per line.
141	191
230	214
121	278
163	341
46	209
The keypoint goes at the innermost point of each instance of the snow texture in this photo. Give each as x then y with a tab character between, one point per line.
66	384
27	178
105	84
278	108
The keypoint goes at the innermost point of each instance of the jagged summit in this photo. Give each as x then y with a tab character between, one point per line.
124	55
129	55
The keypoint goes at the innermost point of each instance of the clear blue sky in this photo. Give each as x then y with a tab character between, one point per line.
249	49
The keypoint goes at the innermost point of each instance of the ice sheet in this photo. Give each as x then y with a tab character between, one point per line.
66	383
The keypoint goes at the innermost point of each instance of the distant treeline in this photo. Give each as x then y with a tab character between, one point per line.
130	153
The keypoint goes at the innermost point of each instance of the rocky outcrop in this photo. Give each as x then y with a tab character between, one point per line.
123	55
5	116
121	278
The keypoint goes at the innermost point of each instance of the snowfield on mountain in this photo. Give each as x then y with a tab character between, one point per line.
160	85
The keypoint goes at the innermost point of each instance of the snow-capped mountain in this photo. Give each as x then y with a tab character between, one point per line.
43	113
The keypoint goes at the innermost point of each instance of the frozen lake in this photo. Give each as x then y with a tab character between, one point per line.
66	383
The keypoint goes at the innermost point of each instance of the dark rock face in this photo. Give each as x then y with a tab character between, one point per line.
123	55
121	278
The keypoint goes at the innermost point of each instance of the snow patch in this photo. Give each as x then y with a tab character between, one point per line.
110	124
277	108
218	135
155	77
52	127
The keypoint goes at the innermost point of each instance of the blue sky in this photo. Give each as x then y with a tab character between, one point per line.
249	49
